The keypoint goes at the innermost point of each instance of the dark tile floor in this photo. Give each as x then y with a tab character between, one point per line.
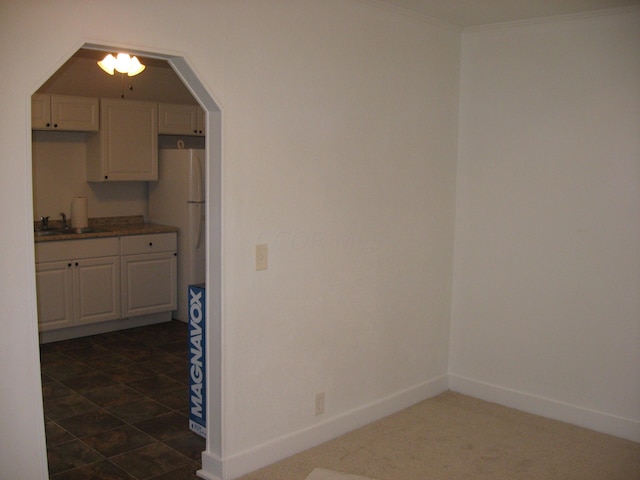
116	406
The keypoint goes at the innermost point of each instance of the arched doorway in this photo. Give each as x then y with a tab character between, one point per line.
183	69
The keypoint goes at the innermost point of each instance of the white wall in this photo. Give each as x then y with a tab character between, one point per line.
339	148
341	124
546	309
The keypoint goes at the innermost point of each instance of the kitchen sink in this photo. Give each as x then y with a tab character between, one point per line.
67	231
43	233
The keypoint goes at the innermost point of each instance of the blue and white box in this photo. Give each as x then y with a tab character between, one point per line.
197	360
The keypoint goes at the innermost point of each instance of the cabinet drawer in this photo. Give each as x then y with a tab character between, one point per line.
76	249
157	242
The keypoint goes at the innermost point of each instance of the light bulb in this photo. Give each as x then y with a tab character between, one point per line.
136	67
123	62
107	64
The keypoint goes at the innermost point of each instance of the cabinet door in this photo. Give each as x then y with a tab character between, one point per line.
54	282
175	119
127	146
201	122
149	283
40	112
65	113
79	114
97	289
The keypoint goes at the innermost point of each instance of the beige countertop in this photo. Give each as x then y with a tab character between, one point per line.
107	227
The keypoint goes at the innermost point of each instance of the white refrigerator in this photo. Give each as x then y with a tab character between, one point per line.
178	199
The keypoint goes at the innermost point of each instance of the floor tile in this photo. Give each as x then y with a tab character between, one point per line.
53	390
86	350
73	368
138	352
180	375
116	406
89	381
161	361
128	373
53	357
189	444
175	347
68	406
148	337
138	410
89	423
165	427
112	395
188	472
174	399
108	361
150	460
70	455
156	385
118	440
104	470
55	434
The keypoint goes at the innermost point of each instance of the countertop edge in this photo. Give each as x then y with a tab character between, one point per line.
111	231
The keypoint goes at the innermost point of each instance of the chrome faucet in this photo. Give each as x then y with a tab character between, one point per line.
64	220
44	223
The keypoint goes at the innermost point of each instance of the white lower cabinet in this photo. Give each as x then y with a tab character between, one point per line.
97	298
78	282
82	282
54	281
149	274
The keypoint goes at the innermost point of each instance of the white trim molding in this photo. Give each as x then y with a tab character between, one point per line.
599	421
262	455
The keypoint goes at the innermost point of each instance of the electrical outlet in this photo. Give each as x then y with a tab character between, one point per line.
319	403
261	257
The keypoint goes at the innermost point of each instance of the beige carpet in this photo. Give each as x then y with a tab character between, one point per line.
322	474
453	436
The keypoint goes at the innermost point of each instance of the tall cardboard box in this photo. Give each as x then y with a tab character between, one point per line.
197	360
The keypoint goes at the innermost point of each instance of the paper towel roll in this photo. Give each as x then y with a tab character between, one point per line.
79	218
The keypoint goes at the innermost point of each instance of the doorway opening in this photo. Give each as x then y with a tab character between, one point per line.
89	402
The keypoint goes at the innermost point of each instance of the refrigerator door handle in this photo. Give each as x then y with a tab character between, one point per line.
199	228
198	180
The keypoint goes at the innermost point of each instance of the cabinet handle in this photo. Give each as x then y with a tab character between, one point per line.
106	177
151	244
68	265
55	125
48	124
77	264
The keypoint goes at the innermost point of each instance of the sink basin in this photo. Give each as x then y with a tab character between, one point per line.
67	231
43	233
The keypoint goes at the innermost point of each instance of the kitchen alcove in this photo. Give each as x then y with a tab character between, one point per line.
188	89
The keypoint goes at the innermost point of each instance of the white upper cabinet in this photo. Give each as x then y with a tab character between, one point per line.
126	148
65	113
177	119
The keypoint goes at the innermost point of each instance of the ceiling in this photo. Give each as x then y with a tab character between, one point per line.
474	13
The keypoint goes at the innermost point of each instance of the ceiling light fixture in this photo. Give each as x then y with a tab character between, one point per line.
121	63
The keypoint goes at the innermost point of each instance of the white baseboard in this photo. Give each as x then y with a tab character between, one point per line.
598	421
212	467
285	446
